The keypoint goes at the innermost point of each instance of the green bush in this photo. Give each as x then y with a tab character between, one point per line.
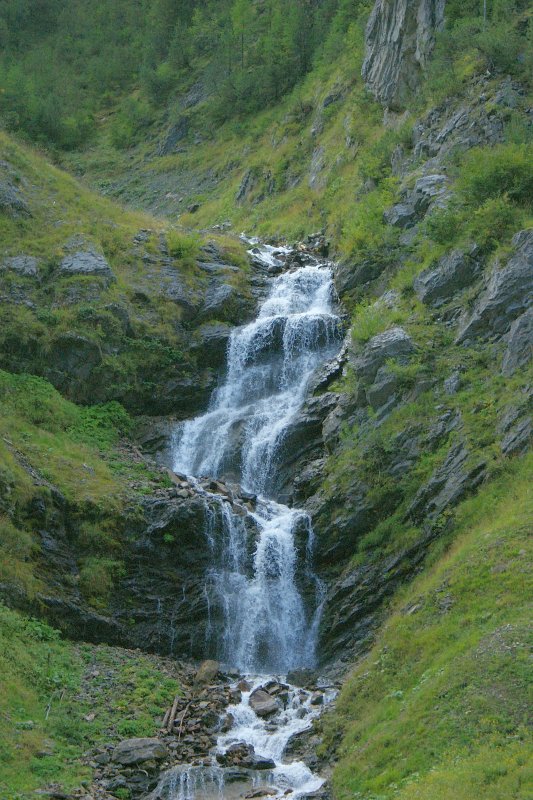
504	170
181	245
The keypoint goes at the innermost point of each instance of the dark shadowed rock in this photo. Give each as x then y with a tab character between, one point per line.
450	274
519	350
509	292
86	262
399	39
212	343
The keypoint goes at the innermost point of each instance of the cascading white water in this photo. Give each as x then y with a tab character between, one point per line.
266	626
258	570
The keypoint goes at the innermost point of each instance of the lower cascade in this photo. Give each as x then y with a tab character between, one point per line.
263	597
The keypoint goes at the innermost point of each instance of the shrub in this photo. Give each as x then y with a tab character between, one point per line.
181	245
503	170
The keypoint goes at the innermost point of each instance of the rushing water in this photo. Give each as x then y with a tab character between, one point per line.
255	585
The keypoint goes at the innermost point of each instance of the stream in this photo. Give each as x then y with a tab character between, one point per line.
263	588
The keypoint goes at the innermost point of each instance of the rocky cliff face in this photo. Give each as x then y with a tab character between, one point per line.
400	37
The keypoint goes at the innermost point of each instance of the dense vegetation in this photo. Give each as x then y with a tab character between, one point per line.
134	60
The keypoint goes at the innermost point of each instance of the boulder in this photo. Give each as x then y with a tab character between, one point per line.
25	266
136	751
519	350
383	389
263	704
207	672
86	262
508	293
453	272
394	343
399	39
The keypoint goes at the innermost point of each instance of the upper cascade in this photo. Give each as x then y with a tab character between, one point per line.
258	587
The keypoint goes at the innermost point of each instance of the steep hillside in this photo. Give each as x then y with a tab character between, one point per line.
403	134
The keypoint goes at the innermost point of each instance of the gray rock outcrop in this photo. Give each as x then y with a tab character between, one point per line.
399	39
519	350
26	266
509	292
394	343
86	262
453	272
427	191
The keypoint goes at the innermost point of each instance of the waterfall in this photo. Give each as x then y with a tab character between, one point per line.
257	586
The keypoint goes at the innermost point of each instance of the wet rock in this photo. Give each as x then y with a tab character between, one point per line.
86	263
263	704
394	343
71	361
508	293
453	272
304	678
243	755
212	345
519	349
219	301
26	266
136	751
399	39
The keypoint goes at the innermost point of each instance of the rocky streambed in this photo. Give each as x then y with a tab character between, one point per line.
226	735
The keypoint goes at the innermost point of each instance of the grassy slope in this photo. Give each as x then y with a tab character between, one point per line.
60	700
42	311
439	707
